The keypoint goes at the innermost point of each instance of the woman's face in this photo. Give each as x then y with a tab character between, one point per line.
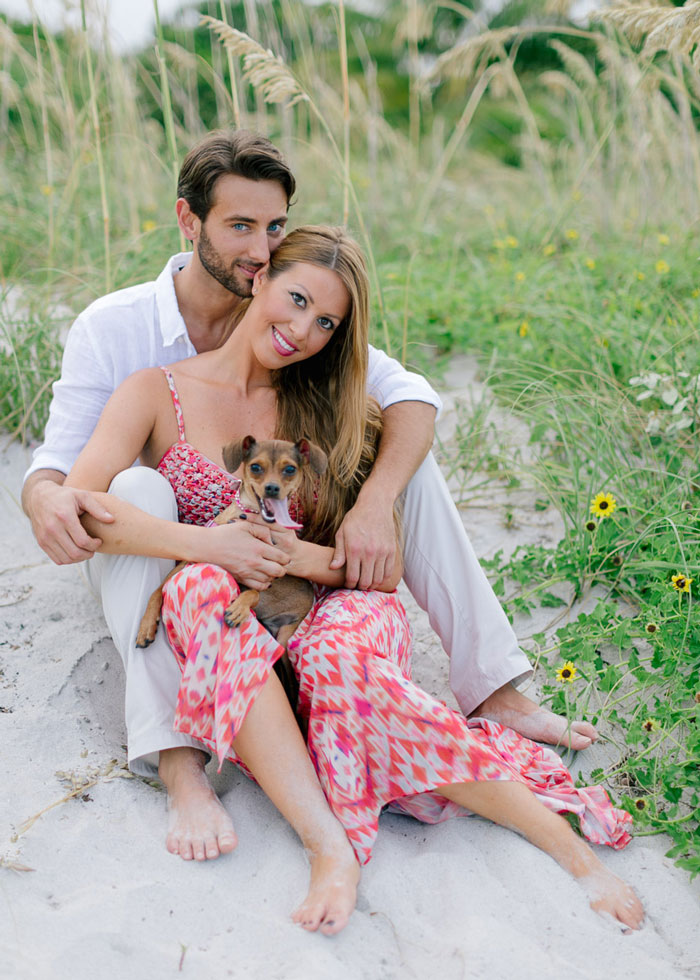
295	314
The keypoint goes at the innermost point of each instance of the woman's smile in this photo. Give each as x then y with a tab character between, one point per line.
281	344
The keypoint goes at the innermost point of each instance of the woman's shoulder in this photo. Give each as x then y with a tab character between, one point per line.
145	386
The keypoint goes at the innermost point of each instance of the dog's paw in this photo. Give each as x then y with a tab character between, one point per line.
235	614
146	635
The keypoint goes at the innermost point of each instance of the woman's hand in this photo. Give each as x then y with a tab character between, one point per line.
246	550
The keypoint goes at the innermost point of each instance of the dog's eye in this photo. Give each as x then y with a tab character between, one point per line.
289	470
256	468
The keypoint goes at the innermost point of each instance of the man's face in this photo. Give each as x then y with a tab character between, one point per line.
244	225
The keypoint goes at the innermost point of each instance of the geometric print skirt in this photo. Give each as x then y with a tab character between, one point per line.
377	741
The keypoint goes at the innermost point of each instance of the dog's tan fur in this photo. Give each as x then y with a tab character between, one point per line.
281	607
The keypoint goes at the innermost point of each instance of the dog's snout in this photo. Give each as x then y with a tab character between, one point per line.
272	489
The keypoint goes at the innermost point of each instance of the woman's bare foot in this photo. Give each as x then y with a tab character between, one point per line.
199	827
332	892
513	709
610	895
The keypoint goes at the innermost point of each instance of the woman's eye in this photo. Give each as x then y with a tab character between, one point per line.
325	323
298	299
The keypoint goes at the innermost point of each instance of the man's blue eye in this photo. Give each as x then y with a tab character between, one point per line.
275	227
255	468
239	226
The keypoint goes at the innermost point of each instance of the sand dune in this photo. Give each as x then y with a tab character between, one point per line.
463	899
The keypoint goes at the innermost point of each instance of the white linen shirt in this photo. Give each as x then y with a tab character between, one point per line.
141	327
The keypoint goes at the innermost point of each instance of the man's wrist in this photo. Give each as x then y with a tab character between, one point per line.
381	492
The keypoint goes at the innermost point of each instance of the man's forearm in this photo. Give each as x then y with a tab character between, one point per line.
407	435
39	476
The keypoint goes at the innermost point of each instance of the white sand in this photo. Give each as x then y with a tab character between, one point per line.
463	899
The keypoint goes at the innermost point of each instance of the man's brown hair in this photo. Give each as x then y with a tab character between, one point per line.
237	152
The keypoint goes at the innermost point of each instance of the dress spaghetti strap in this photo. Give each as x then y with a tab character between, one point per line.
176	404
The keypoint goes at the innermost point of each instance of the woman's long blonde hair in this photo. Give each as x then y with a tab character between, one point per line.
324	398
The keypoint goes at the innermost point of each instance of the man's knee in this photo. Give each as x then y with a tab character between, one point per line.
147	489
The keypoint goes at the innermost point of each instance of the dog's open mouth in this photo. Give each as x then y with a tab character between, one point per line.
274	511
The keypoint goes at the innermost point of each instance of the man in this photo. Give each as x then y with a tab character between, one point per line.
234	192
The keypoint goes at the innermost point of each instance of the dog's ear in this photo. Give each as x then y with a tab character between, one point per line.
313	455
236	452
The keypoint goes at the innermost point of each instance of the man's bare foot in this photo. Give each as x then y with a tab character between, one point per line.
332	892
512	709
199	827
610	895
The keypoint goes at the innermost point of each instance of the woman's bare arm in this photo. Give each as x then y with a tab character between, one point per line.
243	548
313	562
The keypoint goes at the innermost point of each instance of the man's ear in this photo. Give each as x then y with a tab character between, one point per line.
188	222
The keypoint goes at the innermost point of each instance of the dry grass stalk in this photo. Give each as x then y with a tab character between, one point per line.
12	865
79	783
672	29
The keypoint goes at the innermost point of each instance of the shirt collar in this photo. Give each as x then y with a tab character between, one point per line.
170	321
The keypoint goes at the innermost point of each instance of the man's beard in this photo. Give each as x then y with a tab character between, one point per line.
210	259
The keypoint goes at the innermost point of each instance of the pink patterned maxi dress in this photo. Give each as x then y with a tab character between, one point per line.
376	740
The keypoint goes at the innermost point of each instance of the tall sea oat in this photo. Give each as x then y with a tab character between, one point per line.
265	71
672	29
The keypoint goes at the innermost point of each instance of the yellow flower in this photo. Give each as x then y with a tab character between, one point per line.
662	267
576	195
681	582
520	277
549	249
511	242
651	725
571	234
603	505
499	243
392	275
46	190
567	673
651	628
663	240
524	328
640	275
590	263
148	225
695	293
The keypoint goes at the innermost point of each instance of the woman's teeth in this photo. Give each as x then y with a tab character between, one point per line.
282	342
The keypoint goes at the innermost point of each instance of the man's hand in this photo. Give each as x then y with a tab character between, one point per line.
245	549
54	511
366	543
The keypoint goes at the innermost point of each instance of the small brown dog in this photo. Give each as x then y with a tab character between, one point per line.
272	470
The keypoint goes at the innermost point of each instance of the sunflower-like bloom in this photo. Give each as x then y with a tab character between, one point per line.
651	628
651	725
567	673
603	505
681	582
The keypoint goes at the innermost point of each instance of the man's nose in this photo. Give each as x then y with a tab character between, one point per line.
259	248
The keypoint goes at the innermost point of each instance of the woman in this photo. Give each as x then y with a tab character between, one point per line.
295	365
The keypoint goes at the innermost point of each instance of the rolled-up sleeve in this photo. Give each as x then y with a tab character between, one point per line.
79	396
389	382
